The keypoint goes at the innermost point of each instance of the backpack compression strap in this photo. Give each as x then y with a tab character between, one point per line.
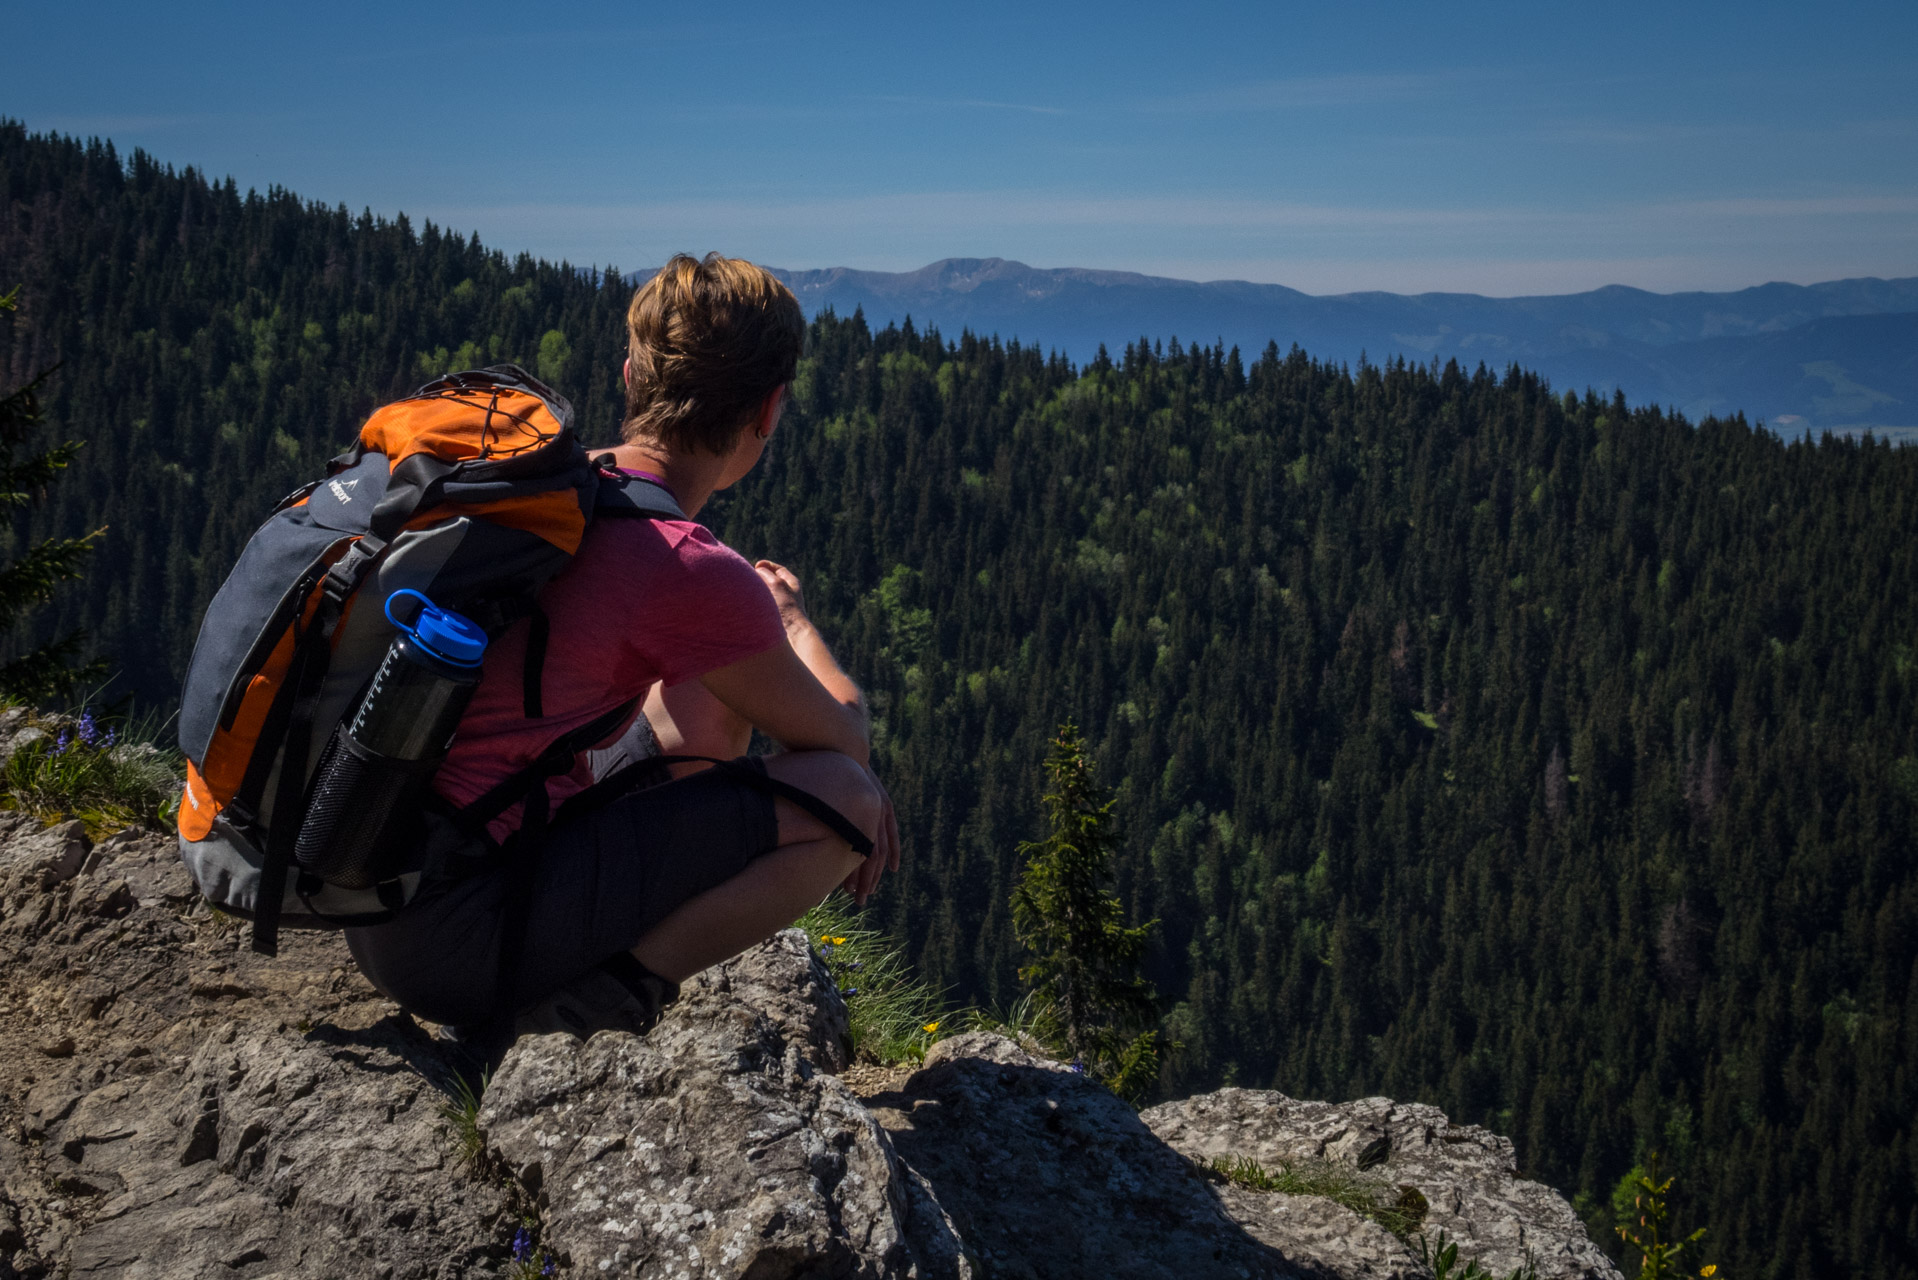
610	789
312	654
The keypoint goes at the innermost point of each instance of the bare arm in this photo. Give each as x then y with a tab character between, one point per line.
798	695
804	636
779	694
795	693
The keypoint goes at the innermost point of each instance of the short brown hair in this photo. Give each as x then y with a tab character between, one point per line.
709	340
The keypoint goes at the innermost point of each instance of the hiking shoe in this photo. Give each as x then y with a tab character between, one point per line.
619	995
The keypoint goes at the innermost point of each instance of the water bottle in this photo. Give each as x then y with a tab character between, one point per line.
380	758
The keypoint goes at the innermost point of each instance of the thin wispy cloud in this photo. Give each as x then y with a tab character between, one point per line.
1883	128
1633	134
1308	91
966	104
1797	207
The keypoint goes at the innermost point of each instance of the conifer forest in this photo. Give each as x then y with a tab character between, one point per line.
1474	741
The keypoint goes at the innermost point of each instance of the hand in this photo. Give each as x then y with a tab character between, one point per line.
786	592
885	849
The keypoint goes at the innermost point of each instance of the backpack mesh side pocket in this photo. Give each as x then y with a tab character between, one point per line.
362	812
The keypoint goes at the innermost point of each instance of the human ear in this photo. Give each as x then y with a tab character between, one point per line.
767	419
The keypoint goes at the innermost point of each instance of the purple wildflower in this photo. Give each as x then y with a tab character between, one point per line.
61	743
849	991
552	1265
1078	1067
89	729
522	1245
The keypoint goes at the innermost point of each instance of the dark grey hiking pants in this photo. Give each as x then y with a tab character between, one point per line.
601	881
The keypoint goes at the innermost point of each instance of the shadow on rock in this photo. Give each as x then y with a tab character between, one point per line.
1043	1173
395	1045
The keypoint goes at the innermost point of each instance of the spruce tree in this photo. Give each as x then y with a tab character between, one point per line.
30	578
1085	967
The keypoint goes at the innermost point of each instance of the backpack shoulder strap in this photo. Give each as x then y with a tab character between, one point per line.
633	496
618	495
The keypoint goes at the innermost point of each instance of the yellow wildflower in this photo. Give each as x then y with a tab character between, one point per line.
1709	1272
839	942
931	1027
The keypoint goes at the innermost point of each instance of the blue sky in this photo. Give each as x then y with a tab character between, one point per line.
1485	147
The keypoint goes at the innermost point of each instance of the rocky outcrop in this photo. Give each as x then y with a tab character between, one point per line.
1466	1176
171	1105
715	1145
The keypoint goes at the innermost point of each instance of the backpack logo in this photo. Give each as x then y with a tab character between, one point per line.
340	490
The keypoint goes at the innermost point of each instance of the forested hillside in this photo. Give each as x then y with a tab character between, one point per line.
1474	742
216	348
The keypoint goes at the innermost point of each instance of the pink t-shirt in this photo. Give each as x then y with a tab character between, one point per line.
643	601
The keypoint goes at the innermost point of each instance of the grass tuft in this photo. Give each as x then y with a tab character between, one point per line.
1030	1022
528	1256
895	1017
1444	1263
1392	1208
462	1112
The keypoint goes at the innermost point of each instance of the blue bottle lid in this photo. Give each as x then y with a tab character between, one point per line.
441	632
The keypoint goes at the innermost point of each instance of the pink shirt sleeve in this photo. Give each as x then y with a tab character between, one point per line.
705	609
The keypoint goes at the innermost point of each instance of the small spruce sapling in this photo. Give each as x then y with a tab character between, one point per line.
1086	959
1658	1254
32	576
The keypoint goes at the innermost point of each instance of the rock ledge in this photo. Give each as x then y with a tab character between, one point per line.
171	1105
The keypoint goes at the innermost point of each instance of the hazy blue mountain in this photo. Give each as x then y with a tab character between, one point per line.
1836	356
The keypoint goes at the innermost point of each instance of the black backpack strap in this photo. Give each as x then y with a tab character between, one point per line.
837	822
624	495
552	762
539	632
642	773
312	655
521	850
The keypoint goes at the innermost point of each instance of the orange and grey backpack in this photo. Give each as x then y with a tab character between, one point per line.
473	491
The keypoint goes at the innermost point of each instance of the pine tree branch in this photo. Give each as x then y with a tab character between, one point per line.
21	482
32	578
20	412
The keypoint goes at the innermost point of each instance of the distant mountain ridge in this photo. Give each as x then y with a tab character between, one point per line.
1839	356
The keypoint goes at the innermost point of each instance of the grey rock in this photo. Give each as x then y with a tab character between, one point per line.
1467	1174
210	1111
310	1154
784	980
16	733
1320	1236
715	1145
47	858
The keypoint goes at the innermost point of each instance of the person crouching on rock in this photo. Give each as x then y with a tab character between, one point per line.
624	901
